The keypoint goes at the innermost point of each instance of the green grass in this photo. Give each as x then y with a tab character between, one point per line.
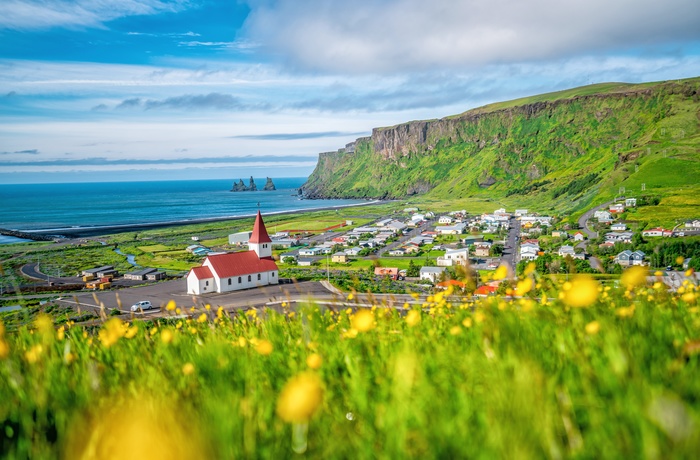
495	379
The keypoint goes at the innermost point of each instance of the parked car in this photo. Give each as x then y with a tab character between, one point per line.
142	305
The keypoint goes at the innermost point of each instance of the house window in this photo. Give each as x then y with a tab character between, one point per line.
229	281
239	280
249	279
206	283
273	273
258	276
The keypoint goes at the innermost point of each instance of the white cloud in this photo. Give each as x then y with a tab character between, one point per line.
370	36
41	14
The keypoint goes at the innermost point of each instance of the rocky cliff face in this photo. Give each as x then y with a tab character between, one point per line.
501	146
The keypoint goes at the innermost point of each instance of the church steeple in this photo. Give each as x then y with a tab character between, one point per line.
260	241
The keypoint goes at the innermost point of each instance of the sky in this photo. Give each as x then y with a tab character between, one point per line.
101	90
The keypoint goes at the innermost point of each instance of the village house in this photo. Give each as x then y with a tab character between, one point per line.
566	250
391	272
616	208
579	236
354	252
431	273
456	229
482	249
485	291
693	224
454	257
618	227
619	237
529	251
628	258
305	262
310	252
383	223
445	220
657	231
237	270
560	234
397	252
520	212
339	257
411	248
630	202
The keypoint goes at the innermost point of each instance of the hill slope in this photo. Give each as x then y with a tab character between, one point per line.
569	148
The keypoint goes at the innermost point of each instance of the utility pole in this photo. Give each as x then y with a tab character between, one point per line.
328	269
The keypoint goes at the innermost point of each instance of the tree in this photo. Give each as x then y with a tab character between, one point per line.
413	270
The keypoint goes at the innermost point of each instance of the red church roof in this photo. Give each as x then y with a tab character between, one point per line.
202	273
240	263
259	231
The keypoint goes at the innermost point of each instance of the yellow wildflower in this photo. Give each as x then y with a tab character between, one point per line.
202	318
32	355
300	398
582	291
111	332
455	330
592	328
188	369
61	333
689	272
530	268
242	342
524	286
4	348
689	297
625	312
350	334
166	336
314	361
467	322
500	273
633	277
351	296
171	305
131	332
413	318
264	347
679	260
363	321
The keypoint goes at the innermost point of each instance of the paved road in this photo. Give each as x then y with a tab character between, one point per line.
510	252
160	294
583	222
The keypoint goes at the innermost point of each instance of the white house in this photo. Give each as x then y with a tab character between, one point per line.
237	270
658	231
630	202
454	257
616	208
578	236
310	251
446	220
417	218
566	250
618	227
520	212
239	238
431	273
456	229
529	251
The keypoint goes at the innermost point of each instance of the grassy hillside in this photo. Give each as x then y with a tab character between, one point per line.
560	151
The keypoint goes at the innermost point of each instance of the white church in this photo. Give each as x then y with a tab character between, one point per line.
237	270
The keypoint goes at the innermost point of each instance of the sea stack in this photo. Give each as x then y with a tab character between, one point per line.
269	185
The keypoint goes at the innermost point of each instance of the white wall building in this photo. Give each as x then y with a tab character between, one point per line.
237	270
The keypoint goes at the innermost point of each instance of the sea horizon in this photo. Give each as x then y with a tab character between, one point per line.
52	207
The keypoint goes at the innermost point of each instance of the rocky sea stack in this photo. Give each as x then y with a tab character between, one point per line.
251	187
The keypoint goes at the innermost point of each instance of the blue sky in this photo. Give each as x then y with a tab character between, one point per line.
196	89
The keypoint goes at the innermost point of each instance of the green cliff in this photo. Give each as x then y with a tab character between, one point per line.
573	145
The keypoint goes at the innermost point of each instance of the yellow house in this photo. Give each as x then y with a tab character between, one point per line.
339	257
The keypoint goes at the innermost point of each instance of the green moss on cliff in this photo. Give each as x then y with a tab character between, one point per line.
531	149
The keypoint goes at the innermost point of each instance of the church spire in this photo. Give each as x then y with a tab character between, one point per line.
260	241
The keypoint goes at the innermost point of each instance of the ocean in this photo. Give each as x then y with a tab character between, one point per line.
31	207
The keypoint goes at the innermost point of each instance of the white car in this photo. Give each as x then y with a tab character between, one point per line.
143	305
